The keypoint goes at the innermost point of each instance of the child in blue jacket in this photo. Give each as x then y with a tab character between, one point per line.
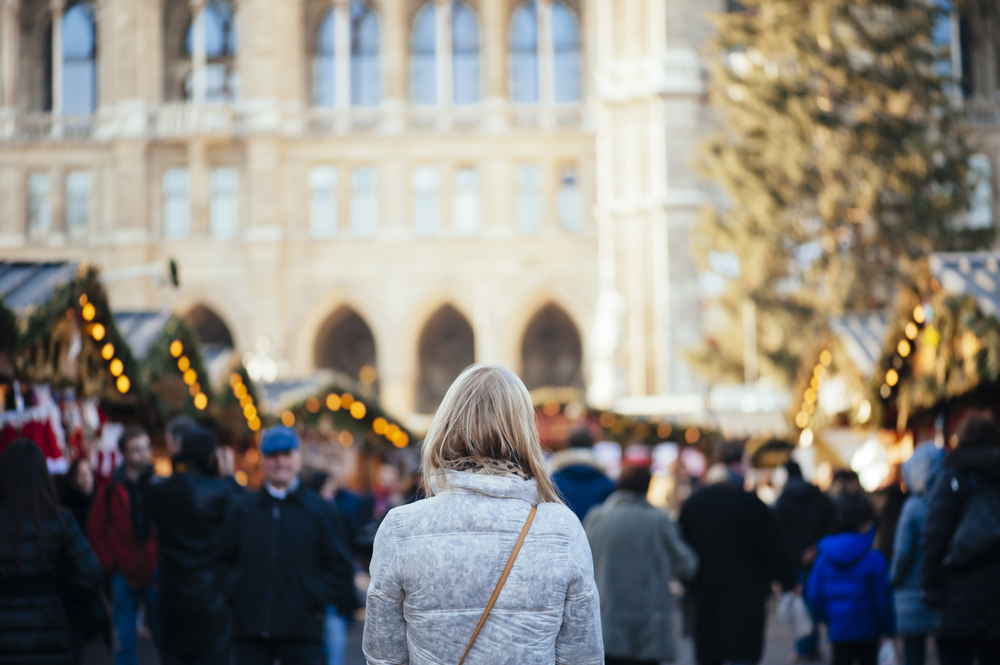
848	588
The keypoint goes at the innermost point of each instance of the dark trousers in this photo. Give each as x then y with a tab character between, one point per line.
914	650
217	658
286	652
849	653
629	661
963	652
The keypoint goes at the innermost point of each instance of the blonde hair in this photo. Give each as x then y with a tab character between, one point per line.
486	413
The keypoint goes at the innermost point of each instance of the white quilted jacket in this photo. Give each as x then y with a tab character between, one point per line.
437	562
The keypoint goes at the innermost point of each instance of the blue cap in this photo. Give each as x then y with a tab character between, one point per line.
278	439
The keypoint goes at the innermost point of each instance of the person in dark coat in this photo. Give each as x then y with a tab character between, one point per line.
848	587
957	575
804	515
740	552
44	560
581	481
283	562
189	510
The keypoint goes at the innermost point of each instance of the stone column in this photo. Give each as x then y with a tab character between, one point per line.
57	7
198	175
394	54
199	83
546	65
10	34
442	55
494	62
342	53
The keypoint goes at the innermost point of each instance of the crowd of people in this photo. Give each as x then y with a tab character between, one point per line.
510	558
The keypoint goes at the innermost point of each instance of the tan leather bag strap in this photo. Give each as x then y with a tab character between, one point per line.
503	578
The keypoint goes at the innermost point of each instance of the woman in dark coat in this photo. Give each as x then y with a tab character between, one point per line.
965	586
78	491
189	509
44	558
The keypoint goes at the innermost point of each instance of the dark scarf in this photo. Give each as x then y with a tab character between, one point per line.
487	467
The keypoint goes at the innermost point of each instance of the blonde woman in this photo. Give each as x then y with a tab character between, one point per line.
492	531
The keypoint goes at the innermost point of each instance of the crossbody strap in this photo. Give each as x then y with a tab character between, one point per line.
503	578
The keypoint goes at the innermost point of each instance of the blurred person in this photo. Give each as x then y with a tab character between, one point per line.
283	562
740	552
960	572
804	516
440	563
78	490
582	482
173	433
189	510
45	562
338	619
887	502
848	588
844	481
122	537
347	502
637	550
914	619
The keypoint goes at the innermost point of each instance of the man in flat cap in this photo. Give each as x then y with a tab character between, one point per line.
284	562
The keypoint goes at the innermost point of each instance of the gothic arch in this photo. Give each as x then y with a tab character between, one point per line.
208	327
344	343
551	350
446	347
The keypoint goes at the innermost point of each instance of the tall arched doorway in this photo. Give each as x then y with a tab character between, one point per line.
208	327
345	343
551	352
447	346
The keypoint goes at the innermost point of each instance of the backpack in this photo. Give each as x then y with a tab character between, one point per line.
978	531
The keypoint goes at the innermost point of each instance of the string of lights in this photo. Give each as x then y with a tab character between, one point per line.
189	375
98	332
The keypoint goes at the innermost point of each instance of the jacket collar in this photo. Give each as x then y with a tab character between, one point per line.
501	487
625	496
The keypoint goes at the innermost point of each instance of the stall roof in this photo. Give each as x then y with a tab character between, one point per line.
140	329
25	284
974	273
862	335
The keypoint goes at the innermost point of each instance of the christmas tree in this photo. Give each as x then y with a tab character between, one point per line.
843	157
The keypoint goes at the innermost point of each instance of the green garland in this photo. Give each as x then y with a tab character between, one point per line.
47	334
9	335
343	420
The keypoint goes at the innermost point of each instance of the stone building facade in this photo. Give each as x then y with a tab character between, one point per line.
410	184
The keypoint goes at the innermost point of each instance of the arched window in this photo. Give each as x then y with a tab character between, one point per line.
423	60
345	343
324	70
366	76
523	64
208	327
551	352
79	76
447	346
465	54
220	52
566	54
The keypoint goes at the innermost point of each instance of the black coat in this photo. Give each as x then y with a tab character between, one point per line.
33	619
740	552
285	563
804	516
189	512
972	592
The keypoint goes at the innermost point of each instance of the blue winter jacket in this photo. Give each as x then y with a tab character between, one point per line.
849	590
580	480
912	616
